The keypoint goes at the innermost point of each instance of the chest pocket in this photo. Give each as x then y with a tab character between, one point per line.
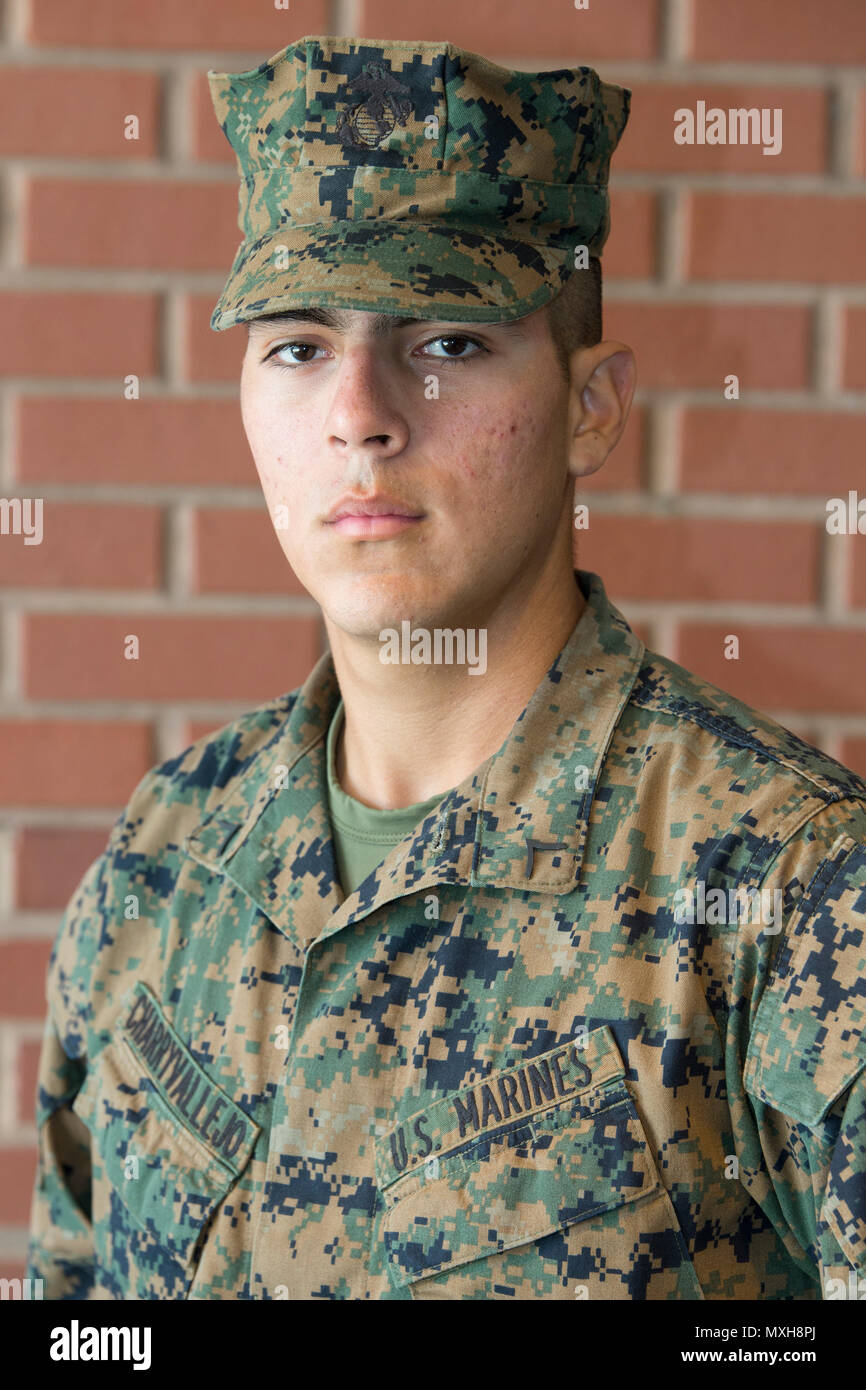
537	1183
167	1146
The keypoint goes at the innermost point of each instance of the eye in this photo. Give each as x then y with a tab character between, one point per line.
293	347
455	340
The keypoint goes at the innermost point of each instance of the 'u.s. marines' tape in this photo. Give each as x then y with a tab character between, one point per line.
183	1085
521	1091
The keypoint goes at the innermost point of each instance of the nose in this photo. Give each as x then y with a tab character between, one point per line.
363	413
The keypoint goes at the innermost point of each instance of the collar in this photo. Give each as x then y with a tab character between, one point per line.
518	822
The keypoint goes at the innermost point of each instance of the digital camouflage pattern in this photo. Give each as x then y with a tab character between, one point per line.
412	178
499	1069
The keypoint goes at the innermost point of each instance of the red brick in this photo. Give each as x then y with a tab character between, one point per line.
27	1073
859	154
77	112
69	440
208	141
17	1176
687	558
195	24
854	368
48	333
853	755
51	862
210	356
779	31
735	449
87	547
257	564
65	762
698	345
559	34
648	140
811	669
857	559
153	223
181	658
630	251
758	236
22	978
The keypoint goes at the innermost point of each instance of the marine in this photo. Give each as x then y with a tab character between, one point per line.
407	1010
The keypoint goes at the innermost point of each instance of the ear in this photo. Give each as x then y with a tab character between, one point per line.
602	383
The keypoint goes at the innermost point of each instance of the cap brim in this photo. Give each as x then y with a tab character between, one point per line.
423	270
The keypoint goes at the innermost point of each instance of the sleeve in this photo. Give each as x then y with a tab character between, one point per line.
804	1076
60	1251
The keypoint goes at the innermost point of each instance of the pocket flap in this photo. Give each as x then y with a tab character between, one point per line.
562	1163
171	1142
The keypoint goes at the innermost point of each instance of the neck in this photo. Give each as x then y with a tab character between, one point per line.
413	731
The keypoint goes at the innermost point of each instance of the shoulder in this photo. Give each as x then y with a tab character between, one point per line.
174	796
112	919
727	737
776	812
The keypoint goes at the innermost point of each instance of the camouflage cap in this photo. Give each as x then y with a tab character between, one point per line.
412	178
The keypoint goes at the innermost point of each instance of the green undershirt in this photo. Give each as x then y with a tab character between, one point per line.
363	835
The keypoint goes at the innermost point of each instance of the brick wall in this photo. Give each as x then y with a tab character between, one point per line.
708	519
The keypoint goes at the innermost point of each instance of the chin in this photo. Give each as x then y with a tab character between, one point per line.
364	620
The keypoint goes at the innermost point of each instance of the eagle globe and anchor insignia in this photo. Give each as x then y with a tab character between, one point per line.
368	123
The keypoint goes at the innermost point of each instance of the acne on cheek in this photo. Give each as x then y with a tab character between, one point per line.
493	448
269	474
517	428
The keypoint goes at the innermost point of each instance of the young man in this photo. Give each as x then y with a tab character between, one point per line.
505	958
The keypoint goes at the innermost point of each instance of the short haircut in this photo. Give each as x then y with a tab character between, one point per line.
574	314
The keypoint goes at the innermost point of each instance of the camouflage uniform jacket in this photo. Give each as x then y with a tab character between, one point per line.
504	1067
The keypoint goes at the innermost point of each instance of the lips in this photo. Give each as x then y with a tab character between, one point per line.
371	506
372	527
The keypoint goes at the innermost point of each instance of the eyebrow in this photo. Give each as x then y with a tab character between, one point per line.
379	324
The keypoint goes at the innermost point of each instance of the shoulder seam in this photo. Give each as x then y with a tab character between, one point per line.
736	736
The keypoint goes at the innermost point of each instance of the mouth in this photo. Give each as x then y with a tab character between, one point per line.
374	527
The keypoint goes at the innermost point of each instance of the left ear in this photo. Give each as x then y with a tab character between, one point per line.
602	381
